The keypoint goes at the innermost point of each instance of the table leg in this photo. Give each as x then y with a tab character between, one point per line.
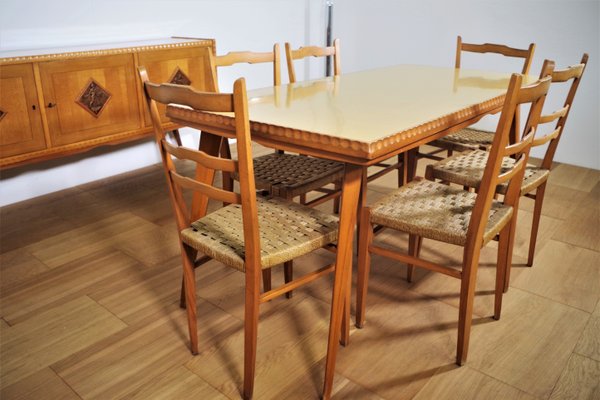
343	268
210	144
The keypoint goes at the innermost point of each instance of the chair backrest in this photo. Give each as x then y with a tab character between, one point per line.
495	173
312	51
525	54
236	103
571	74
247	57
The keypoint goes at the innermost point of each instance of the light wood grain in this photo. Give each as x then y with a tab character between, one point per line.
62	285
406	338
72	326
574	177
529	347
402	351
77	243
177	383
278	357
44	384
17	266
580	380
589	342
581	226
577	287
109	370
466	383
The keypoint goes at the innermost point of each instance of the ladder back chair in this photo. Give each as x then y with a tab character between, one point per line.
250	234
283	174
467	168
427	209
471	138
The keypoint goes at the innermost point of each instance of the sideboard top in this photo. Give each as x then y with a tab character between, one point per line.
56	53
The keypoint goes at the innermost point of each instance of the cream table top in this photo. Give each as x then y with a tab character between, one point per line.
362	116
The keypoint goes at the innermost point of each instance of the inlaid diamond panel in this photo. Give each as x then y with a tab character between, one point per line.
94	98
179	78
2	114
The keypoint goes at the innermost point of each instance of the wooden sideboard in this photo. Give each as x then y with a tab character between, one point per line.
56	102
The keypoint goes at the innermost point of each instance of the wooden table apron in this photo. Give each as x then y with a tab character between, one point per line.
298	117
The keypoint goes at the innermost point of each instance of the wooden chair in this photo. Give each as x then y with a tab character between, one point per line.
283	174
467	169
470	138
426	209
234	234
334	51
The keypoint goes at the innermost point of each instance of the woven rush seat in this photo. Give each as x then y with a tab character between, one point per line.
467	169
436	211
290	175
287	230
465	140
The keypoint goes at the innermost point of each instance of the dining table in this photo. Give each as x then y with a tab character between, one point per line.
360	119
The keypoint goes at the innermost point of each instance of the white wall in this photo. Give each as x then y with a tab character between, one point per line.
386	32
373	34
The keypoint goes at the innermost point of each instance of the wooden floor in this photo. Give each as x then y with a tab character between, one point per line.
90	281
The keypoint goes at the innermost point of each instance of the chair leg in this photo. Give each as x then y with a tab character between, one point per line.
250	328
189	256
182	293
288	275
535	224
176	136
501	267
509	251
288	267
411	160
364	266
345	328
414	248
266	276
225	152
400	170
465	308
337	186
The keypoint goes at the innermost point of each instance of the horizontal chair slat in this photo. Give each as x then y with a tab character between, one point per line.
405	258
529	93
563	75
249	57
495	48
210	191
519	146
314	51
544	119
201	157
170	93
296	283
505	177
538	141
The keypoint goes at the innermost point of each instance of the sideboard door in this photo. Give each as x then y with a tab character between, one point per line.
21	129
186	66
90	98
